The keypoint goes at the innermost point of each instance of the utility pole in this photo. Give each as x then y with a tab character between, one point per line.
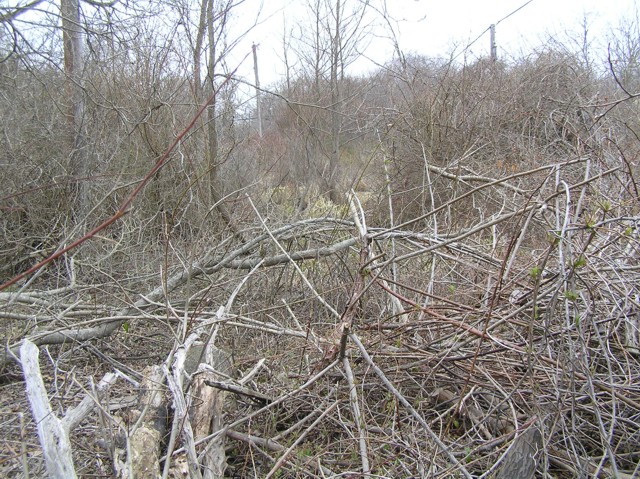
494	47
254	47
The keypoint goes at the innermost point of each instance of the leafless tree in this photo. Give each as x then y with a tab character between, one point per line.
338	29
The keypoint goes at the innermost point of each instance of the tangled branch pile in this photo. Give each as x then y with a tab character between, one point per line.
395	352
471	310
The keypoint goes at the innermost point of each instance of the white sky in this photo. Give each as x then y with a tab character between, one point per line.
435	27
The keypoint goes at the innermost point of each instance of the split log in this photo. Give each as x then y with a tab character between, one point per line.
198	410
151	421
206	409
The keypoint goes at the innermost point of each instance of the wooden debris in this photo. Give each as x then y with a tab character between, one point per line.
521	460
151	424
206	410
54	437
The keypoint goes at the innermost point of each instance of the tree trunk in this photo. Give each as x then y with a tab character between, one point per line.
213	161
212	131
334	159
197	54
74	136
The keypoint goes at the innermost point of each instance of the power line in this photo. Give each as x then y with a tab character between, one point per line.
489	28
514	12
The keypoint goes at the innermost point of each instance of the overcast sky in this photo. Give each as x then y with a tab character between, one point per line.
437	27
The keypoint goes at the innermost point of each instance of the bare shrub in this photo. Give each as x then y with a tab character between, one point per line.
476	302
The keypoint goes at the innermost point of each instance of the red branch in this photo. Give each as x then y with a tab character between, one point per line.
124	207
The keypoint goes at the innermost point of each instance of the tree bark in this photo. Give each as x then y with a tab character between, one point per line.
146	440
74	137
522	459
334	159
213	160
212	131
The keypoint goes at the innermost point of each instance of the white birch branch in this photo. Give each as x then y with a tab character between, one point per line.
53	436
